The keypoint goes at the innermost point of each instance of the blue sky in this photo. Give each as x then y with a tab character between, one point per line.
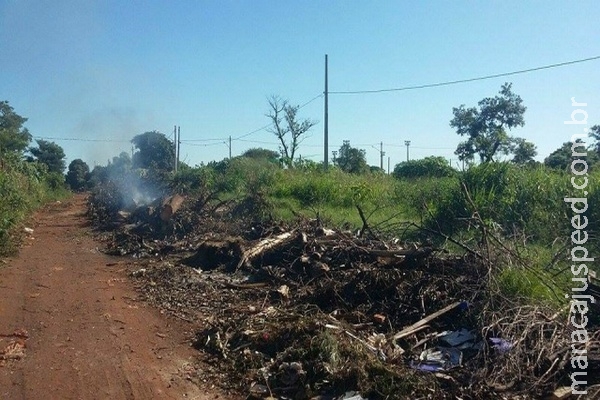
110	70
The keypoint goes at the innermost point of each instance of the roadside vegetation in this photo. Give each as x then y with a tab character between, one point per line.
29	176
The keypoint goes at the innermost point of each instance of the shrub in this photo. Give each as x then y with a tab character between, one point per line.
437	167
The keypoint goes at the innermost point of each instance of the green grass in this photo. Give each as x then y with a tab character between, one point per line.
334	197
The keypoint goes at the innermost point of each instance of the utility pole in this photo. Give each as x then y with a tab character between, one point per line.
381	154
178	145
326	122
407	144
230	147
175	146
388	165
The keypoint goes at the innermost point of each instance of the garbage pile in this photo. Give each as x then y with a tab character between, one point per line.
303	311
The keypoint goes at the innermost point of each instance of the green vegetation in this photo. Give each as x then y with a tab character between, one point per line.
24	186
24	183
78	175
14	138
49	154
350	159
432	167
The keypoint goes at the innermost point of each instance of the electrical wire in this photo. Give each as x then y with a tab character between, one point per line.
82	139
480	78
201	144
204	140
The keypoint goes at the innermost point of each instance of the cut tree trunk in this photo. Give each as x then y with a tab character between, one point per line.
170	205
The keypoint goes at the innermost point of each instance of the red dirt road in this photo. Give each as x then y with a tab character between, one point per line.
71	328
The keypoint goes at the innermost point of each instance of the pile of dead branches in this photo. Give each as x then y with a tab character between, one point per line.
313	311
299	311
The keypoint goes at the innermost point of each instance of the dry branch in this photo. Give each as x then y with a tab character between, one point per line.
419	325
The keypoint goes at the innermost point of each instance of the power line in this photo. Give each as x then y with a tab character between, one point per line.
255	141
204	140
192	142
82	139
480	78
201	144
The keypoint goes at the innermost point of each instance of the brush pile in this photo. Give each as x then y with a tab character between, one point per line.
303	311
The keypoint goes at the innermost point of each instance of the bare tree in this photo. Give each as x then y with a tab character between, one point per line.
289	130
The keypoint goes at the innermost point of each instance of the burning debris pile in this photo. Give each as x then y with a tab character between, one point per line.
303	311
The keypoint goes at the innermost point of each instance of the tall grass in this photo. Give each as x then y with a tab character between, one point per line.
23	187
514	200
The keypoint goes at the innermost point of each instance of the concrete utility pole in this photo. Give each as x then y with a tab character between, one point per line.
230	147
326	122
407	143
388	165
175	147
381	154
178	144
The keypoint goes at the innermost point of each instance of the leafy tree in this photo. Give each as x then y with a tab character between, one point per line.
306	164
98	175
50	154
595	134
290	130
486	126
437	167
350	159
78	175
562	157
13	136
120	165
524	151
155	151
261	154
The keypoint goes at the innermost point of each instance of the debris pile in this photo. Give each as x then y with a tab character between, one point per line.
303	311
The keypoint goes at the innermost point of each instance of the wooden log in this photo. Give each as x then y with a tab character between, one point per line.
170	205
264	245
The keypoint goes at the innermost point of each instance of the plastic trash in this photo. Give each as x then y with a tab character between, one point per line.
438	359
501	345
456	338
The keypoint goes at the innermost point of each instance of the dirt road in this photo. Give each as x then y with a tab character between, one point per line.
71	328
